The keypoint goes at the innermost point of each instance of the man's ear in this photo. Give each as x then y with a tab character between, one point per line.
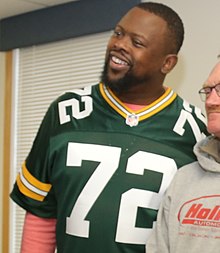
169	63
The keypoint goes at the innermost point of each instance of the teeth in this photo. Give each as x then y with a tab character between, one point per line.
118	61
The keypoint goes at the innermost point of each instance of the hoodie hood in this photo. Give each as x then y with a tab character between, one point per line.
208	154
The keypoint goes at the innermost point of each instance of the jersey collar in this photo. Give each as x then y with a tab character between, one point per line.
136	116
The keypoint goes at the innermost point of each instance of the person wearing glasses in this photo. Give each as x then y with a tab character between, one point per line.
189	217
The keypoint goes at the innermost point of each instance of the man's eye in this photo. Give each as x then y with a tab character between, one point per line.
117	33
137	43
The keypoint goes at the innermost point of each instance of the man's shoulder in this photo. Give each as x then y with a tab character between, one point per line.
188	171
76	93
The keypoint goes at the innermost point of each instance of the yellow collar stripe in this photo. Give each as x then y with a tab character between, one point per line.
146	112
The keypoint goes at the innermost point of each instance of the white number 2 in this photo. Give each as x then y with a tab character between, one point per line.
109	157
135	198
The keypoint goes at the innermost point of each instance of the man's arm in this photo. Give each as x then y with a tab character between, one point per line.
39	235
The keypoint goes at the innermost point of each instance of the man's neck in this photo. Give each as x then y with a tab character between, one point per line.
140	97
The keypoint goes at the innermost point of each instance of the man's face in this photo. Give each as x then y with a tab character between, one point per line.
136	50
213	102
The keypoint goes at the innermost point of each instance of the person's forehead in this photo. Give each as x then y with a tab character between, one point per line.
214	77
139	17
143	23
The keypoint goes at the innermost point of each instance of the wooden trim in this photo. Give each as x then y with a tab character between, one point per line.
6	152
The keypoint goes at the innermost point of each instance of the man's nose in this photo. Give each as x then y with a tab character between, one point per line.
123	43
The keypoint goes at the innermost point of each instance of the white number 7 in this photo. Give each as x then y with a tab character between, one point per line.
179	126
108	158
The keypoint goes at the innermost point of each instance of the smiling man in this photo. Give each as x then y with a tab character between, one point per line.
141	51
105	154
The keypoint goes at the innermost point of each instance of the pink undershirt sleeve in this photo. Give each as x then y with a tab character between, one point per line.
39	235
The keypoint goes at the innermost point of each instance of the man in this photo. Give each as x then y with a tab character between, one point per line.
189	217
104	155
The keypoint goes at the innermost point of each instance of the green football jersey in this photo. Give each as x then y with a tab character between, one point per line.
101	169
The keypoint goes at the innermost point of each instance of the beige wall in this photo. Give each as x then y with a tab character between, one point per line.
2	82
200	48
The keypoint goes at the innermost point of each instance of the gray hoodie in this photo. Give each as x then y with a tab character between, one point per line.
189	217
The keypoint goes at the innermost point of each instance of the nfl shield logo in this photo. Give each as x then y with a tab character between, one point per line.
132	120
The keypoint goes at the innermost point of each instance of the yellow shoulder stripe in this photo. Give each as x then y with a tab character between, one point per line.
27	192
33	181
30	186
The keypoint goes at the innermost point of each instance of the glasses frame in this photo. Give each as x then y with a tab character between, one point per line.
206	91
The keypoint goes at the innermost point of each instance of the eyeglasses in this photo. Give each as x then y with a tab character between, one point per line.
206	91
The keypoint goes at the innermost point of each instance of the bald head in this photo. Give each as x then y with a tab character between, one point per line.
214	76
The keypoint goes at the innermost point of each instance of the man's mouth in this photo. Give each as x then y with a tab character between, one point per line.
216	110
119	61
119	64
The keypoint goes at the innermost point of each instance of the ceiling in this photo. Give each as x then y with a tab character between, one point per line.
10	8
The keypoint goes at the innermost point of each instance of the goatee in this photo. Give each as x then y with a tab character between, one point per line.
121	84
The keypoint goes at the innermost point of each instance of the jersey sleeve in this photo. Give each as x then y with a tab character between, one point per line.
33	189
